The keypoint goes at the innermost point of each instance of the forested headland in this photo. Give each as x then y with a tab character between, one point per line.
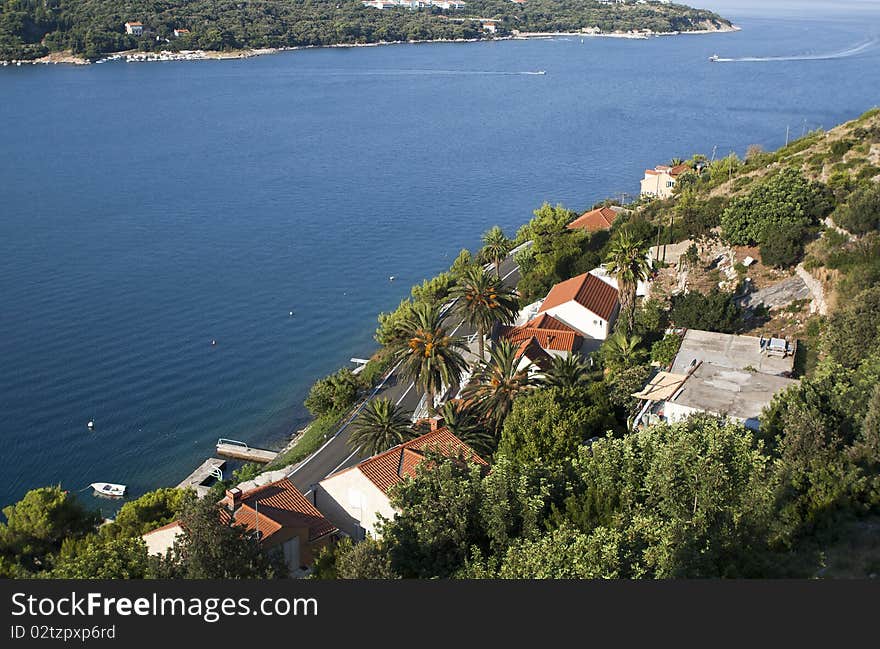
31	29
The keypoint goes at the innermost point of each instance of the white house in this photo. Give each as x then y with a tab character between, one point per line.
660	181
134	28
355	498
179	33
489	26
554	337
611	280
585	303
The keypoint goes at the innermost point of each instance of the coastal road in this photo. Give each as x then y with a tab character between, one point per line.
335	454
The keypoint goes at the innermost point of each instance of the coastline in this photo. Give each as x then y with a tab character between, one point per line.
138	56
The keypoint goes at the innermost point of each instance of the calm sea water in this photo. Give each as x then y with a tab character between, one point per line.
146	210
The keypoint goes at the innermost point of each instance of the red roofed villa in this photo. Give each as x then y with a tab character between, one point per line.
584	303
595	220
278	512
356	497
660	180
554	337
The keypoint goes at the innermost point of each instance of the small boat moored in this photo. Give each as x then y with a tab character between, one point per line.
714	58
108	489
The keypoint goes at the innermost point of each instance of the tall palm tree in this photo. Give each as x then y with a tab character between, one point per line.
380	426
465	423
495	248
628	260
569	371
431	356
483	300
496	382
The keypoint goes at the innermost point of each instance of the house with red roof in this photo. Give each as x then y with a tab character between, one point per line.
277	512
660	181
355	499
585	304
601	218
555	337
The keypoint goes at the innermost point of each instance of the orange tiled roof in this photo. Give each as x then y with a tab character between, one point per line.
533	351
548	331
679	169
387	469
588	291
280	505
594	220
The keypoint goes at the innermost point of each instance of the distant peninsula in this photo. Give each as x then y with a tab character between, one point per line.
86	30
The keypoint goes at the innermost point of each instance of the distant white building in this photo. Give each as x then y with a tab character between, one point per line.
134	28
178	33
489	26
660	181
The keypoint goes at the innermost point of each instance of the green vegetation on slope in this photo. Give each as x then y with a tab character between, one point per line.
33	28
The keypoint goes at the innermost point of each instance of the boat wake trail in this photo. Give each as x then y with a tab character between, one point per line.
416	72
843	54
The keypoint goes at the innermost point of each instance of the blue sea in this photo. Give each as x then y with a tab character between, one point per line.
147	210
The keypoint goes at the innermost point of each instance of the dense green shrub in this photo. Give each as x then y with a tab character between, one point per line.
783	246
785	199
715	311
333	393
861	213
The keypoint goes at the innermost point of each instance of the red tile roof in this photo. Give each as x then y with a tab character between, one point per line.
679	169
588	291
533	351
549	332
594	220
280	505
387	469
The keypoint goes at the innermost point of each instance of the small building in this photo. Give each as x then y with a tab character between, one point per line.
720	374
356	498
277	512
660	181
489	26
585	303
555	337
178	33
740	395
596	220
533	356
735	352
134	28
162	539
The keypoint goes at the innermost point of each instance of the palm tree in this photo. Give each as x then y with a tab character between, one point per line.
483	300
496	246
569	371
628	260
465	423
621	351
496	382
379	427
431	356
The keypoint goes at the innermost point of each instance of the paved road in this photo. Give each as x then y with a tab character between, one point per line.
335	454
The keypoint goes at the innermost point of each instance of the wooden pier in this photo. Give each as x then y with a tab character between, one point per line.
241	451
207	470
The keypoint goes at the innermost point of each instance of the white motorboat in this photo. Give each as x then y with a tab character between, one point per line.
714	58
108	489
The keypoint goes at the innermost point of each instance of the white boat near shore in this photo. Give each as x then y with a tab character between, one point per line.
109	489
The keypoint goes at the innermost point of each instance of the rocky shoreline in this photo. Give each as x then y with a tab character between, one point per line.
137	56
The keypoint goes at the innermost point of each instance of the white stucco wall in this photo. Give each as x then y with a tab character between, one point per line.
161	540
349	498
675	412
585	321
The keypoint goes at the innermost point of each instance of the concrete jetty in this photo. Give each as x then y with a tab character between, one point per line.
207	470
241	451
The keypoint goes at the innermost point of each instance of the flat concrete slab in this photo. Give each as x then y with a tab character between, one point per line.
731	392
728	351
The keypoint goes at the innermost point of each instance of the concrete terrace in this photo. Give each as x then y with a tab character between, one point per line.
728	351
